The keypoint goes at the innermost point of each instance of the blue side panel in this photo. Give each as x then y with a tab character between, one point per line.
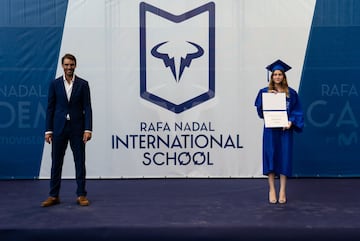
329	90
30	39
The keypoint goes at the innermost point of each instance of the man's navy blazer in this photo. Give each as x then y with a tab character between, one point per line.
78	107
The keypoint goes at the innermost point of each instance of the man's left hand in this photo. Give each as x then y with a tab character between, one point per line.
86	137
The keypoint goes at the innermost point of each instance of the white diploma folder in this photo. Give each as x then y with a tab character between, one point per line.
274	110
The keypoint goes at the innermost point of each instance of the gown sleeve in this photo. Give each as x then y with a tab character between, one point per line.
258	104
296	115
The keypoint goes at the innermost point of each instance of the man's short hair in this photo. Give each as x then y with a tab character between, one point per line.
68	56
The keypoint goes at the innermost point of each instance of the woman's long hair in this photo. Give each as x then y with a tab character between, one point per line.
284	83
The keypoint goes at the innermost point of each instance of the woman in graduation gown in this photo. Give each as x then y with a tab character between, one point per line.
278	142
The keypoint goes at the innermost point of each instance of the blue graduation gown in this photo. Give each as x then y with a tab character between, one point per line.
278	143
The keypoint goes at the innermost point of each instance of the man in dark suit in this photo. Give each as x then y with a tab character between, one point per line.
68	119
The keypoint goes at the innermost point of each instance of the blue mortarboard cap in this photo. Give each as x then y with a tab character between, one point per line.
277	65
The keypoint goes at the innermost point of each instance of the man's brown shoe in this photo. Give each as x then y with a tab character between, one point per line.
82	201
50	201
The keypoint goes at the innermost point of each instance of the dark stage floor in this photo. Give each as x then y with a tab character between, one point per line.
182	209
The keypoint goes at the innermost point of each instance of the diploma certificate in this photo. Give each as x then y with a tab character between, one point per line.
274	110
272	101
275	119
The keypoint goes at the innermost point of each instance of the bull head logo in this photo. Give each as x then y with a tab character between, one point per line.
170	61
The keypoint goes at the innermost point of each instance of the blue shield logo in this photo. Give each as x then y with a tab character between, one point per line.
177	56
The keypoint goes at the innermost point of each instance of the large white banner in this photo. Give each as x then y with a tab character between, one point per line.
173	83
